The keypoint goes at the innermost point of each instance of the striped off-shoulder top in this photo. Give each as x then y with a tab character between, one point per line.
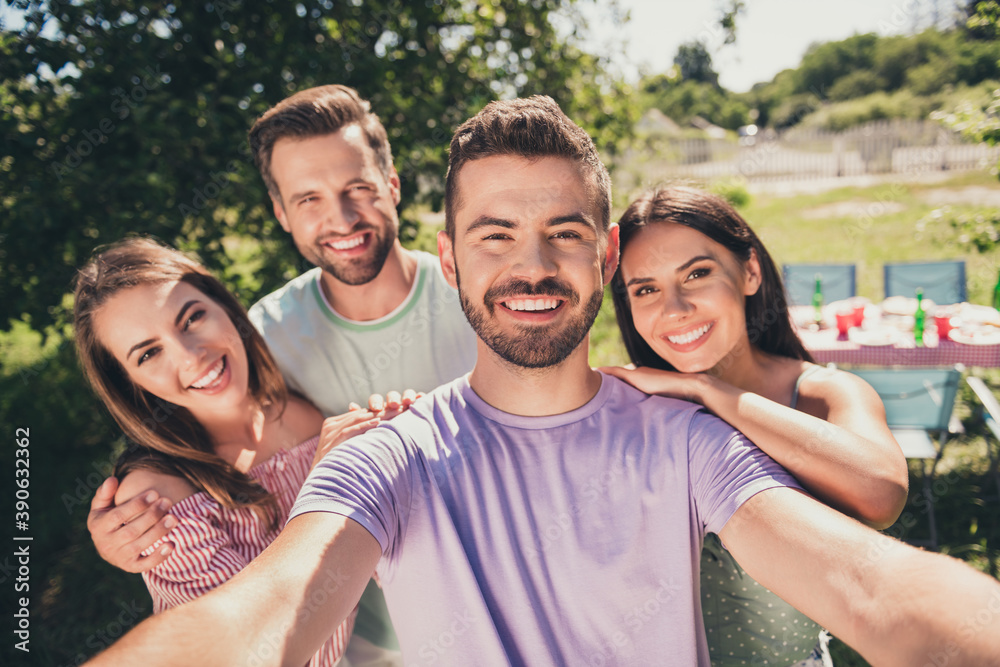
212	543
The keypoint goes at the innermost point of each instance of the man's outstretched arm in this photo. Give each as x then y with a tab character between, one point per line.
277	611
895	604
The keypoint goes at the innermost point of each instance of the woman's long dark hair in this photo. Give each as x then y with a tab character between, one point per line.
168	438
768	325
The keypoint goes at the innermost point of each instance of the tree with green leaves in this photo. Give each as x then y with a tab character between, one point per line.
125	116
694	63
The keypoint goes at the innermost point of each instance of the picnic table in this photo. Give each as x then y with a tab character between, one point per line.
887	339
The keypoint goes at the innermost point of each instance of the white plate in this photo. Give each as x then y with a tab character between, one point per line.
904	305
873	337
971	313
980	336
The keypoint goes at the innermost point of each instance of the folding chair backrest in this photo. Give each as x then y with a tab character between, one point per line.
800	282
942	282
915	397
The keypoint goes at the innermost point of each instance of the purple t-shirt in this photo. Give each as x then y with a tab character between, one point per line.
569	539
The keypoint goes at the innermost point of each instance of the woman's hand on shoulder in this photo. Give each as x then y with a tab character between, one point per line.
685	386
392	404
128	517
340	428
357	420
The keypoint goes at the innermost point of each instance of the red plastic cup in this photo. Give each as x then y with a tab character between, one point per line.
859	314
845	320
943	324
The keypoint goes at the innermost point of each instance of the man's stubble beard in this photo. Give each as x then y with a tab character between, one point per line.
531	346
361	270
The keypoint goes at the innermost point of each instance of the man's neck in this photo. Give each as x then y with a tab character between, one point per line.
378	297
535	392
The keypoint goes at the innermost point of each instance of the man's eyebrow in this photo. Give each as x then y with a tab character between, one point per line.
578	216
295	196
490	221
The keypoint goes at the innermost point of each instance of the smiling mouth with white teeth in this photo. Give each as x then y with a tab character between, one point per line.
532	305
690	336
207	380
347	244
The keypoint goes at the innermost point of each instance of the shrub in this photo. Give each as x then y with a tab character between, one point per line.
856	84
977	229
733	190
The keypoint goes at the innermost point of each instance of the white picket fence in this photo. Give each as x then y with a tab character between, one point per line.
880	147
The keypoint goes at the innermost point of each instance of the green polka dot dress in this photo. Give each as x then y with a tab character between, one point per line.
747	624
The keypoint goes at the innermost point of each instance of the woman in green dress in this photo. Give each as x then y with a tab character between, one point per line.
703	315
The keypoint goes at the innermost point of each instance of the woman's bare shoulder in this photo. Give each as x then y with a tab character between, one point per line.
835	385
140	480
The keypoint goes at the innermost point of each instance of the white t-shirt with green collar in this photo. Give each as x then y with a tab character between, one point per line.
425	342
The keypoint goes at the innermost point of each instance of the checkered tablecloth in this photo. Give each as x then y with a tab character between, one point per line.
827	346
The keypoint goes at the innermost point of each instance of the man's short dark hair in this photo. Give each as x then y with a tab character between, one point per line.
316	112
534	127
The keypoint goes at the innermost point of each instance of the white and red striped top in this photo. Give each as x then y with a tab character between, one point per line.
212	543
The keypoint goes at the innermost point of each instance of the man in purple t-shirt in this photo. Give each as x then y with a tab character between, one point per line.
537	512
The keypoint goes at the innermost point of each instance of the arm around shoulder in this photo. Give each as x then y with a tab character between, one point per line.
835	441
271	612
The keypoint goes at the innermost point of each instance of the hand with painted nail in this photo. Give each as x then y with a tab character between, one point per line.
393	403
339	428
122	532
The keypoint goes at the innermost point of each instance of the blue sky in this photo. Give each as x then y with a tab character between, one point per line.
772	34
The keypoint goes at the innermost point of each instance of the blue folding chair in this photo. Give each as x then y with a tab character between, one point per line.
837	282
942	282
918	402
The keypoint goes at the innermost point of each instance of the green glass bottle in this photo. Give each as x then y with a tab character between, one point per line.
918	319
996	294
818	300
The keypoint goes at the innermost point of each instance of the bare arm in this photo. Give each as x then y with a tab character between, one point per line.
277	611
895	604
848	458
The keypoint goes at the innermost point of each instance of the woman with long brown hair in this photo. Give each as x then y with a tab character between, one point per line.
210	423
703	315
